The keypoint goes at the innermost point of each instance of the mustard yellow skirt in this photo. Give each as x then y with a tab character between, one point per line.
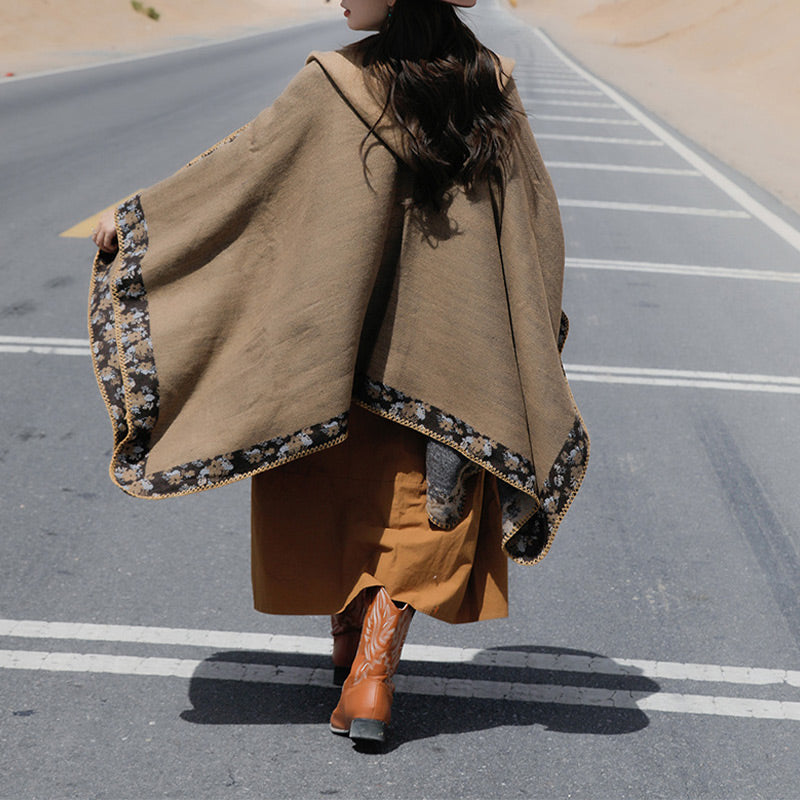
326	526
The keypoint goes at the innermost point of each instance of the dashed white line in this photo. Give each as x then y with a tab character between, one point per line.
541	90
572	103
43	340
44	346
589	165
779	226
684	269
586	120
691	379
522	70
546	80
568	137
654	209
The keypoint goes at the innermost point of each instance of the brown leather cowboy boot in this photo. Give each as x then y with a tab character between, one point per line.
346	632
365	707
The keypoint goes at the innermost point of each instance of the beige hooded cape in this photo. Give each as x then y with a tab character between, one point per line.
276	278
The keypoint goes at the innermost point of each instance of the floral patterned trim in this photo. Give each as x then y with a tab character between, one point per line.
531	542
530	517
105	358
437	424
201	474
124	363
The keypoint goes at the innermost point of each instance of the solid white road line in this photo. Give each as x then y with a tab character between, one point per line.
552	694
684	173
568	137
654	209
587	120
727	381
310	645
779	226
684	269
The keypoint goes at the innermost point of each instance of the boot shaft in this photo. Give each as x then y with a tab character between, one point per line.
382	639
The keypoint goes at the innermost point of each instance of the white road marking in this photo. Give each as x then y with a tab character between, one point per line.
514	692
58	351
568	137
686	173
587	120
654	209
779	226
312	646
572	103
528	70
43	340
588	92
596	374
727	381
45	346
546	80
684	269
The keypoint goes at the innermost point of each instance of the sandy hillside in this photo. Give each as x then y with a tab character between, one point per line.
725	72
47	34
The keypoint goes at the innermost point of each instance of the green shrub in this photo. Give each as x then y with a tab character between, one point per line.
148	12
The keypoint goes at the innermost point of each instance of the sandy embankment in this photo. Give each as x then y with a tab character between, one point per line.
40	35
724	72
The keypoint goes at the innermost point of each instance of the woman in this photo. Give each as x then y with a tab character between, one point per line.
356	299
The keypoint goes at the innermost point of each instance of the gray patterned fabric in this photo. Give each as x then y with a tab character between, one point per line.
447	473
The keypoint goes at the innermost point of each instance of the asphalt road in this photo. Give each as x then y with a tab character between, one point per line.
653	654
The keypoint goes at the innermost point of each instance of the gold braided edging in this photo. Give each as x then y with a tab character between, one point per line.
531	517
124	367
124	364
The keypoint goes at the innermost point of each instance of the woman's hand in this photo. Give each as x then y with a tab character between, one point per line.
104	234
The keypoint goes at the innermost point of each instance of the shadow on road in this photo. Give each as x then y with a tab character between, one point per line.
278	689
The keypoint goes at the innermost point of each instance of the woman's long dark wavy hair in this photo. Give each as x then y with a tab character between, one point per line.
441	86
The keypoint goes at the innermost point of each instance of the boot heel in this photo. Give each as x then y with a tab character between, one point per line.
368	730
